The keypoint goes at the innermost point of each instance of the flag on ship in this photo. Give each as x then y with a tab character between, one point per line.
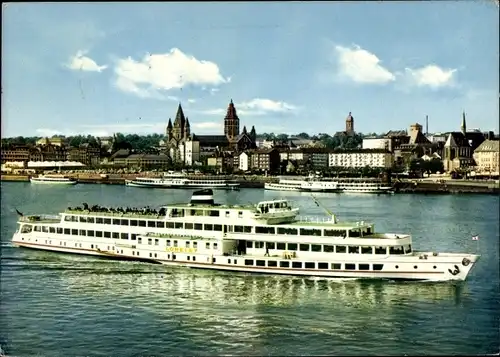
475	237
19	213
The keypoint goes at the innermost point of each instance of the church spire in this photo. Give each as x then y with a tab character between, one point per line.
463	127
231	122
179	117
253	134
168	131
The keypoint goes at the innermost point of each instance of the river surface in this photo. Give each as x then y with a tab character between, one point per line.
55	304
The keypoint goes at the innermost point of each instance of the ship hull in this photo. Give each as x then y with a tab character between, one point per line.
47	182
404	270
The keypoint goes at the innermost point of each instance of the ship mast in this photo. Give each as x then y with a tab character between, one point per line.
330	213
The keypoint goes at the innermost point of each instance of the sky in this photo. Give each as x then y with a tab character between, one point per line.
289	67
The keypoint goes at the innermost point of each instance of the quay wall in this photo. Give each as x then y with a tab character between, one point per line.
413	186
446	187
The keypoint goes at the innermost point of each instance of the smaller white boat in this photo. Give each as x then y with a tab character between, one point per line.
53	179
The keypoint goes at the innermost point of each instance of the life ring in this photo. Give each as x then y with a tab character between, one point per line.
465	262
454	272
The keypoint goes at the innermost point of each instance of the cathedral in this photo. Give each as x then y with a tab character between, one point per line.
185	147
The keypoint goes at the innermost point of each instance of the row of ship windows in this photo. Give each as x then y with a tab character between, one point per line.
326	248
218	227
311	265
262	263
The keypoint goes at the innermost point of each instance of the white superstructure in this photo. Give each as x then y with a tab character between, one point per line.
53	179
262	238
317	184
173	180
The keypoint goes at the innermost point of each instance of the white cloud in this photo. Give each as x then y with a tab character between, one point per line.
255	107
361	66
431	76
265	105
80	62
191	100
172	70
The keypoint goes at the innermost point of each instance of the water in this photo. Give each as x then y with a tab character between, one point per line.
65	305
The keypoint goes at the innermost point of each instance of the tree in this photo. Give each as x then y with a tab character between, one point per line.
282	137
303	136
432	166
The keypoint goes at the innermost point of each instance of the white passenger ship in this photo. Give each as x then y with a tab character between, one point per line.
182	181
53	179
262	238
316	184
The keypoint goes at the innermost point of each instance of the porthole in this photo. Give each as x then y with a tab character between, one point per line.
397	266
434	267
414	267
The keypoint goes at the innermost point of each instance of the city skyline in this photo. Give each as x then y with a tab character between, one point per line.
103	68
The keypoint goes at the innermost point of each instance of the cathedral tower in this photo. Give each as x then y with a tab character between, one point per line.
231	123
179	124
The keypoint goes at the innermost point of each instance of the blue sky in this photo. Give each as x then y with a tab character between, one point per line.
289	67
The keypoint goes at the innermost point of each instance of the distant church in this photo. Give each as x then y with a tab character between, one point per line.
179	137
349	127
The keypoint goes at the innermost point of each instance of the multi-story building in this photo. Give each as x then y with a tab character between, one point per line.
265	159
243	161
487	156
361	158
52	152
15	153
119	158
145	160
189	151
86	154
319	158
223	160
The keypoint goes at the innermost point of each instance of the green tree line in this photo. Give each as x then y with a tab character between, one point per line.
331	142
135	142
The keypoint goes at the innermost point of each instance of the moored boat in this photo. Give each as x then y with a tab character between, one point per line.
182	181
53	179
317	184
267	237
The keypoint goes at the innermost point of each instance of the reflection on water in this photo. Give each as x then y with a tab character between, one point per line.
237	308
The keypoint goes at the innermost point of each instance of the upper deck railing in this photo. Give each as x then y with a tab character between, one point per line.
40	218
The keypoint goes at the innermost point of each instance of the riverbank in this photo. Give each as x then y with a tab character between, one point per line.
119	179
413	186
447	187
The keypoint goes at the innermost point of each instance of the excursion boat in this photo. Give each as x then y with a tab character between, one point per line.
267	237
182	181
365	187
53	179
315	184
303	185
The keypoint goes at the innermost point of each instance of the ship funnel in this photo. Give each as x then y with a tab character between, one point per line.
203	197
